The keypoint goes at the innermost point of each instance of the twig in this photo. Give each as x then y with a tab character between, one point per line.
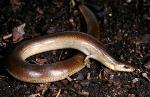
58	93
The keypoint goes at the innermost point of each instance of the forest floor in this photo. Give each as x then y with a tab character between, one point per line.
125	30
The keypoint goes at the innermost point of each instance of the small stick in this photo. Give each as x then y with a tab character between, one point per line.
58	93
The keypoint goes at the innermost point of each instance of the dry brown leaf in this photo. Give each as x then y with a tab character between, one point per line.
17	33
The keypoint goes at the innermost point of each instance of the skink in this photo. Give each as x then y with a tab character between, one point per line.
92	48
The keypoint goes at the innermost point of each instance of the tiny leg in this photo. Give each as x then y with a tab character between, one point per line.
87	61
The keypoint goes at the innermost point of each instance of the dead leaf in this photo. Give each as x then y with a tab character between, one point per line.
17	33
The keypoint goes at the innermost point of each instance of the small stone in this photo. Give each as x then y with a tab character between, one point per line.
135	80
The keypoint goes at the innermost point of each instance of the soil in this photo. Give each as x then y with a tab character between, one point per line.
125	29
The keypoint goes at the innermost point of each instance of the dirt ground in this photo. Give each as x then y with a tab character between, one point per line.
125	29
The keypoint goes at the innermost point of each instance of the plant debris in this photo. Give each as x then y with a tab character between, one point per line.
125	30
